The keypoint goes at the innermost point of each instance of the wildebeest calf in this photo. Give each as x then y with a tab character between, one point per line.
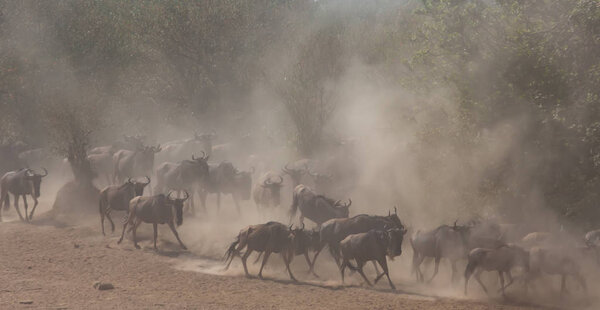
373	245
555	261
117	198
156	209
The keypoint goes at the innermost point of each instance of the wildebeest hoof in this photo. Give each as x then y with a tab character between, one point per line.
137	247
184	247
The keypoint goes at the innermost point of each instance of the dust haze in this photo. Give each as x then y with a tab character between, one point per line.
400	102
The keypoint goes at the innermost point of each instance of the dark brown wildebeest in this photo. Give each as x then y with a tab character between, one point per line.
22	182
157	209
373	245
316	208
502	259
266	193
271	237
117	198
555	261
446	241
186	175
335	230
222	179
136	163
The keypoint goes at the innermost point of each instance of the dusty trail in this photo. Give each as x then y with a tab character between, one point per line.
55	267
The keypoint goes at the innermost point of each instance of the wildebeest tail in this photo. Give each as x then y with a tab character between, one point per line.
231	251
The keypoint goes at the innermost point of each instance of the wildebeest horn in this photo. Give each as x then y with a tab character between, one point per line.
349	203
29	172
169	195
147	178
286	169
186	196
203	154
280	180
45	172
156	149
395	210
302	226
455	223
291	226
389	213
129	181
337	202
193	157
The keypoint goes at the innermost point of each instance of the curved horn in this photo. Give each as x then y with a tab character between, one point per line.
302	226
395	210
337	202
169	195
157	149
186	196
286	169
389	213
203	154
267	182
193	157
349	203
280	180
455	223
291	226
129	181
147	178
45	172
29	172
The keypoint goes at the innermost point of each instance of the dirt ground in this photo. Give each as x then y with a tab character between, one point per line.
47	266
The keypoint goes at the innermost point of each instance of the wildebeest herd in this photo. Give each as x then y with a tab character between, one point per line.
352	241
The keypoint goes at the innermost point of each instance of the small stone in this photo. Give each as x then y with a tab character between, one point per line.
103	286
26	302
75	245
28	267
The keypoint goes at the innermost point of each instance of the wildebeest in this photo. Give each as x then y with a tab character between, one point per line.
446	241
136	163
555	261
502	259
373	245
117	197
221	180
130	143
156	209
179	150
294	173
266	193
185	175
22	182
316	208
271	237
335	230
102	165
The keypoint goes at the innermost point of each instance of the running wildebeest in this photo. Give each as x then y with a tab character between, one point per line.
502	259
186	175
271	237
446	241
335	230
316	208
156	210
555	261
117	198
266	193
136	163
373	245
22	182
102	165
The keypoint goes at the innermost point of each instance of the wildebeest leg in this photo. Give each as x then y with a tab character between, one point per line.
244	258
417	263
102	220
501	275
310	270
437	266
563	284
265	258
343	268
155	227
376	269
287	259
453	277
25	206
477	277
172	226
17	208
218	201
384	266
237	203
360	265
112	224
510	280
581	281
312	266
130	216
35	203
135	227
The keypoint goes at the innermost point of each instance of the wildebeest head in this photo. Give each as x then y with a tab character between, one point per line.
177	204
302	239
201	164
275	188
395	220
344	207
139	186
36	180
295	174
395	238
